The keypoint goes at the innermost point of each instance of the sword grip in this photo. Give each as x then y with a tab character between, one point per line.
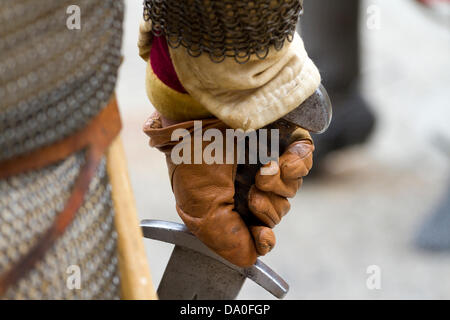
246	173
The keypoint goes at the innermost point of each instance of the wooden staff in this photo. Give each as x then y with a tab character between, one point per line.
136	281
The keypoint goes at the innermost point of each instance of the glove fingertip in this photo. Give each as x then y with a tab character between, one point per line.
264	239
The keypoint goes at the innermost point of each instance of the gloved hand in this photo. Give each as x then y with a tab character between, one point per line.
204	194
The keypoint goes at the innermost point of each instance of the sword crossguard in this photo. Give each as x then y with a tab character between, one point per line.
179	235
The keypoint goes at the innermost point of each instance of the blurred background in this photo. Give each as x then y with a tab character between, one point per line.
379	202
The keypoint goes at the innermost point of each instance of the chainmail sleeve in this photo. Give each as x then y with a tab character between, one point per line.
53	81
226	28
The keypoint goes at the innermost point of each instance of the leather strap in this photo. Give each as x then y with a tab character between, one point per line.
94	138
99	132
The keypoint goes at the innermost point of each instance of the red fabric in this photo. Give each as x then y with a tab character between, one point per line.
162	65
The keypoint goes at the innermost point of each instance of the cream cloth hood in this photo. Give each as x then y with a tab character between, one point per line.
251	95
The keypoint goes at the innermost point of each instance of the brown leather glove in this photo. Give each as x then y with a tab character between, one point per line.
205	196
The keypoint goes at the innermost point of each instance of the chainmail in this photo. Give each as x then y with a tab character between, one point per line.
54	80
225	28
28	205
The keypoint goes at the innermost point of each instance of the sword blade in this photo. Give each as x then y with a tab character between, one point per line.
190	275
